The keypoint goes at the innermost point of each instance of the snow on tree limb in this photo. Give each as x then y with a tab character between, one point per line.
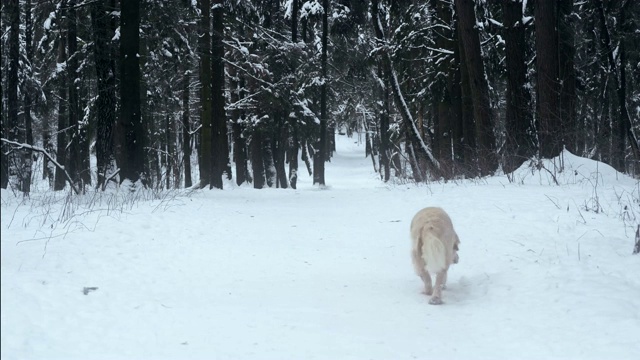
397	93
45	153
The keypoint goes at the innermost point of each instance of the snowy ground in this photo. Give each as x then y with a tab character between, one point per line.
545	271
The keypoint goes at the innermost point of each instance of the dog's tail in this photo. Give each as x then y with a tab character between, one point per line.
433	251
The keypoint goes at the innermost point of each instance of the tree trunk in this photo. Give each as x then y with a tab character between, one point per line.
61	138
519	145
4	168
444	111
220	146
186	128
204	43
567	74
74	164
257	161
548	85
466	112
27	154
106	101
295	141
321	155
132	135
385	149
15	159
487	157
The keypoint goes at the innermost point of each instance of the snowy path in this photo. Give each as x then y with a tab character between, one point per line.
326	274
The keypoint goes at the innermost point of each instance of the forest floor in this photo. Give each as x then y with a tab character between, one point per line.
545	271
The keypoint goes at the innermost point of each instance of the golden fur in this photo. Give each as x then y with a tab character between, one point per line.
434	249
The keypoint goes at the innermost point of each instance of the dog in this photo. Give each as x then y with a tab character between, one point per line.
434	248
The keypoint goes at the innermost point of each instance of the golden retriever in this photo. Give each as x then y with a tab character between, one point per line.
434	249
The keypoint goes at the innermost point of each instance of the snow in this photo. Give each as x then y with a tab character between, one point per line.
545	271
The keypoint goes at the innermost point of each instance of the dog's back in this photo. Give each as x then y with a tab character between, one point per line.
434	246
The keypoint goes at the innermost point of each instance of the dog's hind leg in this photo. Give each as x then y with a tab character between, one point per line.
419	266
441	278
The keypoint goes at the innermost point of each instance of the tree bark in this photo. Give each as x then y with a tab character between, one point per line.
519	145
206	149
15	160
186	128
548	83
220	142
132	136
321	155
61	138
257	161
567	74
4	168
27	155
74	157
106	101
487	157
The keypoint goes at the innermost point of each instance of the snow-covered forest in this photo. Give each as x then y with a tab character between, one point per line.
172	94
327	124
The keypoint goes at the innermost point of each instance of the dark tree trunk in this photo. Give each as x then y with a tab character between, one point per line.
520	143
204	44
622	126
220	146
466	112
321	155
106	83
268	160
4	168
15	160
548	85
385	149
295	140
444	111
257	161
74	157
61	138
131	129
186	128
487	157
27	154
278	148
567	74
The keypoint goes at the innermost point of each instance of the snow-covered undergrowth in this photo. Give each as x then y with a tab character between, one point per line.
545	271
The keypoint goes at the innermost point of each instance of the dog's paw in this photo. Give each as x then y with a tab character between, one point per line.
428	291
435	301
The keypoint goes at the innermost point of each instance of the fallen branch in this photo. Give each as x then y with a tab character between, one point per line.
45	153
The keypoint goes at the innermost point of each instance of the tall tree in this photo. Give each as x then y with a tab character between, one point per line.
321	155
548	83
4	169
204	49
106	82
482	113
423	152
63	121
74	167
131	135
220	147
519	143
13	105
28	128
567	72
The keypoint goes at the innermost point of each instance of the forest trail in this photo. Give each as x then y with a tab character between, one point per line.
326	273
